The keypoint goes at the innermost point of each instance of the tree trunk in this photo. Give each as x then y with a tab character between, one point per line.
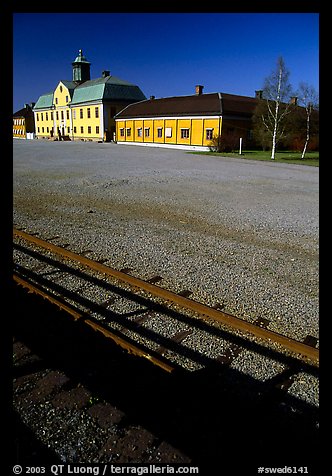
274	137
276	115
307	137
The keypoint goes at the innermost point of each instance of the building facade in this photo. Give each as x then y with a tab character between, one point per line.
83	108
186	122
23	122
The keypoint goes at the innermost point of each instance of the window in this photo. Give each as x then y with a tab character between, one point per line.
209	134
62	115
89	112
122	132
82	129
147	132
81	113
52	116
47	130
74	113
60	89
41	117
128	132
139	132
89	129
75	130
46	116
184	133
168	132
56	100
96	111
43	130
66	98
67	114
38	129
97	129
37	116
159	132
57	115
68	129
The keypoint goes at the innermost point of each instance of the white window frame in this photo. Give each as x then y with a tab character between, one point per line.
209	131
168	132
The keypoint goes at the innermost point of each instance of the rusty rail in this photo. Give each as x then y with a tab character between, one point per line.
291	345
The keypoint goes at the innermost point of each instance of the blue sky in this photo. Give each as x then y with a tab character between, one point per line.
165	54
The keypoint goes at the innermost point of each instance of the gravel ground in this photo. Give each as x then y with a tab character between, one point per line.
233	231
242	234
238	233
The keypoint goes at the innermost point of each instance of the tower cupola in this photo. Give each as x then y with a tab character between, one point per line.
81	68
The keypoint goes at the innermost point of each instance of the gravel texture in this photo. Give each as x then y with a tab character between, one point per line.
242	234
236	233
231	230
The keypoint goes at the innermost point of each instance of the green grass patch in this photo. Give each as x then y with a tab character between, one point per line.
289	157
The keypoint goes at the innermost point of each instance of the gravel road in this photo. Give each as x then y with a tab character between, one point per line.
238	232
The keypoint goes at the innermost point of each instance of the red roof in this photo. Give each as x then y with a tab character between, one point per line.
194	105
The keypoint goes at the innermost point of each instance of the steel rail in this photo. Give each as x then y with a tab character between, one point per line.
233	322
125	344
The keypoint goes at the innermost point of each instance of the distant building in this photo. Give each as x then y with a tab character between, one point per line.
84	108
23	122
186	122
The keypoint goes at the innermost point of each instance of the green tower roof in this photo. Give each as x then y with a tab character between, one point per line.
80	58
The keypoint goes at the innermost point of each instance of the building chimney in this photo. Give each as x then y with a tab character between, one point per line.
105	73
259	94
293	100
199	89
152	97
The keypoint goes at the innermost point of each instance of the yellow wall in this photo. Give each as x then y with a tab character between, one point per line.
61	95
138	126
183	124
197	131
148	131
170	124
158	123
78	122
170	130
19	130
44	122
215	125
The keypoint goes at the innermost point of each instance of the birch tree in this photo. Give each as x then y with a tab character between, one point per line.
276	92
308	98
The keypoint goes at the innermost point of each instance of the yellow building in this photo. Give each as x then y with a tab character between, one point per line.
83	108
23	122
186	122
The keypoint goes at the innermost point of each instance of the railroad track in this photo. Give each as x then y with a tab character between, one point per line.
93	292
